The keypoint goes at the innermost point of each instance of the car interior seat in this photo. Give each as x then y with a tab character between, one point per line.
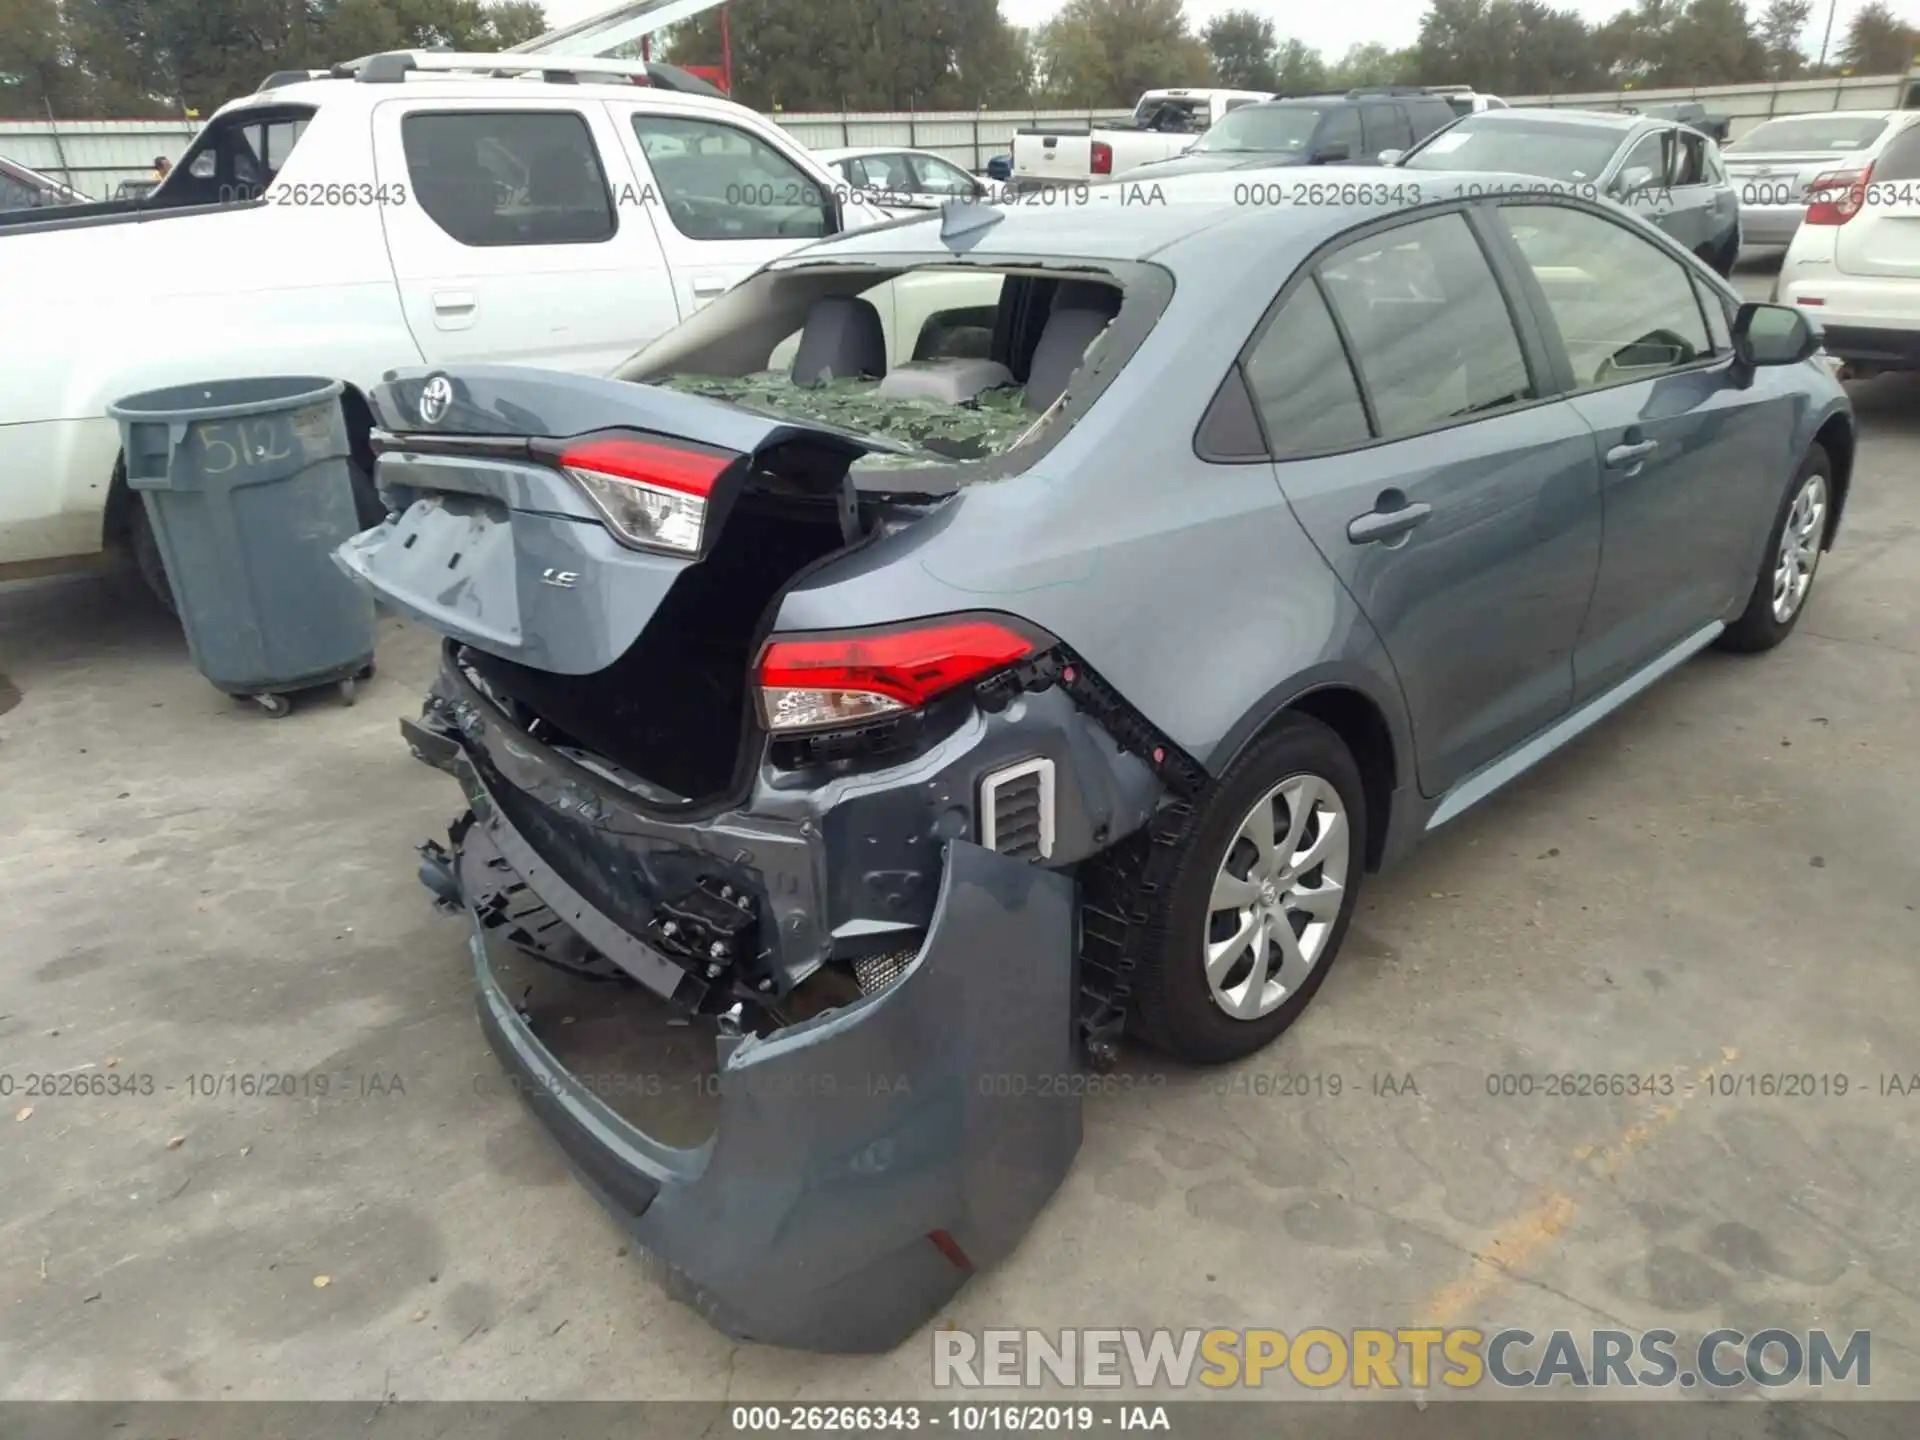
843	339
1081	310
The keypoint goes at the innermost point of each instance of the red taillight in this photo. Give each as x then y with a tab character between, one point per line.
648	462
652	494
1102	158
1836	197
823	682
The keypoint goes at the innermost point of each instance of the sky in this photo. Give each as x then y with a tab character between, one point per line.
1328	28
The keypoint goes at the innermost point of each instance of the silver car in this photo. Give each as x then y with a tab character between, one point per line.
1774	165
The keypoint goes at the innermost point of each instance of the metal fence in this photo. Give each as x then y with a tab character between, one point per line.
93	156
1749	105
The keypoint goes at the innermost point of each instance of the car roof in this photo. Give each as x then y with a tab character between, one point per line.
1193	214
1581	119
858	152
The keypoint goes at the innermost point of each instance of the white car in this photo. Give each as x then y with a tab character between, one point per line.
1774	165
413	208
893	177
1855	260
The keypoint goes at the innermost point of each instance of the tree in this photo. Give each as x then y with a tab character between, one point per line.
1878	41
1103	52
1298	69
863	54
1781	25
33	72
1371	64
1242	44
1711	43
147	56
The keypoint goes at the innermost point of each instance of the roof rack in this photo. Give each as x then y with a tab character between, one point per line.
1360	90
392	67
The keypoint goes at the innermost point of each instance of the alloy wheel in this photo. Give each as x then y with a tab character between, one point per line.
1799	548
1276	896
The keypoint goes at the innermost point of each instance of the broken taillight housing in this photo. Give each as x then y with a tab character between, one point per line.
652	493
826	682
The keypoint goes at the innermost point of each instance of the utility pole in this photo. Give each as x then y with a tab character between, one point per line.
1827	39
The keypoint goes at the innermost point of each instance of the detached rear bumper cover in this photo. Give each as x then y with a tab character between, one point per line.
845	1142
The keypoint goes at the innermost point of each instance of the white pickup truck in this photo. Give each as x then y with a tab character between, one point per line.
411	208
1164	123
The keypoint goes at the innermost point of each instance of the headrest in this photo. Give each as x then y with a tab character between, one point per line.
843	339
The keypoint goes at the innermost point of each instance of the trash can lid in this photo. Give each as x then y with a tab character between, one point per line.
225	399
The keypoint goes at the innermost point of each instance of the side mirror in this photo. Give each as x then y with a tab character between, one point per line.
1632	181
1333	154
1774	335
1390	157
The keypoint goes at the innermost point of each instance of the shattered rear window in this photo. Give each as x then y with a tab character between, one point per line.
923	429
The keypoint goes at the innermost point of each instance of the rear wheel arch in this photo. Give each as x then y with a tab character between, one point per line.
1362	724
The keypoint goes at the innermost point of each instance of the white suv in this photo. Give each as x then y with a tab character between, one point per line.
1855	260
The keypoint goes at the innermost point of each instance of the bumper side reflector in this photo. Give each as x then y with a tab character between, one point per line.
949	1247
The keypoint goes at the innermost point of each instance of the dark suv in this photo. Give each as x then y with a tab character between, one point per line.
1331	129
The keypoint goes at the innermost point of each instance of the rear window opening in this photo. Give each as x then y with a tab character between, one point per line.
985	372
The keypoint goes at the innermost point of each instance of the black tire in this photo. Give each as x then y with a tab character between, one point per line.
1758	628
1172	1006
146	557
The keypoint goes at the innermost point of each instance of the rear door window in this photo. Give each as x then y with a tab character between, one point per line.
1341	126
1901	159
719	182
1303	386
236	158
1431	334
502	178
1387	128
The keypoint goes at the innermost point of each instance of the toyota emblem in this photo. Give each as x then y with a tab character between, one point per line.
436	398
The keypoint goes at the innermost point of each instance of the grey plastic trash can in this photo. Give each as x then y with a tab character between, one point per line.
248	493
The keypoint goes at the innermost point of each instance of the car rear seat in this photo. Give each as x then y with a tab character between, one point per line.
843	340
1081	310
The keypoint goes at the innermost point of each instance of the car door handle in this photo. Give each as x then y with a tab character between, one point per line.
453	302
709	289
1621	456
1378	525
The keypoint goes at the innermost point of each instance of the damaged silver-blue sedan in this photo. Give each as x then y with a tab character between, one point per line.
916	727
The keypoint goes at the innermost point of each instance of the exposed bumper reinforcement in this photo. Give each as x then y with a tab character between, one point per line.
867	1160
